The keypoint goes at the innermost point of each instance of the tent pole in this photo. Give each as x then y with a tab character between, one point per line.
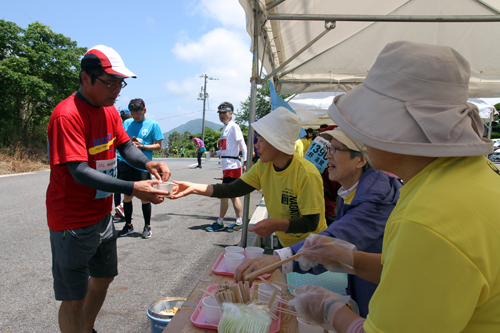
386	18
274	4
251	119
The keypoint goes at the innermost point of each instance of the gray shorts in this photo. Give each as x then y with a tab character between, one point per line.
80	253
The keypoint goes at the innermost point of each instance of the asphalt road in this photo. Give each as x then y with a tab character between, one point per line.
170	263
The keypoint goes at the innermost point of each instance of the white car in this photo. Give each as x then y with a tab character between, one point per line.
495	157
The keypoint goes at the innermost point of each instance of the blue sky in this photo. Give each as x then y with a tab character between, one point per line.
167	44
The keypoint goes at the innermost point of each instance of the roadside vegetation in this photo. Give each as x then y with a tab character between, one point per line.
38	69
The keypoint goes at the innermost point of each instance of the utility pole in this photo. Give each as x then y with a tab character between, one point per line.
203	96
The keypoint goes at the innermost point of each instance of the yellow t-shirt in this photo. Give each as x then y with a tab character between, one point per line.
440	257
290	194
306	143
299	148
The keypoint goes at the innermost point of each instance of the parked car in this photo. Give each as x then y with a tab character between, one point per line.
495	157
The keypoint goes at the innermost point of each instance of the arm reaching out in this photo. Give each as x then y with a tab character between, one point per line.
187	188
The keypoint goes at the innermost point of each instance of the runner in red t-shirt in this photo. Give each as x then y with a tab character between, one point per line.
84	133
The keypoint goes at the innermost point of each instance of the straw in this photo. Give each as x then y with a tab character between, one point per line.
272	286
255	295
273	297
243	293
247	290
206	292
269	294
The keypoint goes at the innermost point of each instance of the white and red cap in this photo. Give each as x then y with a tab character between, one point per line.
108	59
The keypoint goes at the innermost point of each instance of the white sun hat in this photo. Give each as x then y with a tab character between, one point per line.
281	128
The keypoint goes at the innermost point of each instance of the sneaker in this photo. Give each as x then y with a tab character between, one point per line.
127	230
117	217
146	233
215	227
234	226
119	210
198	167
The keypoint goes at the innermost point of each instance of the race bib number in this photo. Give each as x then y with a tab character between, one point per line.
316	154
222	144
107	167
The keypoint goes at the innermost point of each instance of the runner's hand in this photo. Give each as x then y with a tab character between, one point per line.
145	191
159	169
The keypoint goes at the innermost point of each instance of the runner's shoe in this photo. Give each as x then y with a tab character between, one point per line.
119	210
234	227
127	230
215	227
146	233
117	217
198	167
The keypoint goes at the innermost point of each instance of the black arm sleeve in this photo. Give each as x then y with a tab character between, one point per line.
306	223
232	190
85	175
133	155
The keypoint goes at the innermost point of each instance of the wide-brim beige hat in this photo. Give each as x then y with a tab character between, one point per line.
414	102
281	128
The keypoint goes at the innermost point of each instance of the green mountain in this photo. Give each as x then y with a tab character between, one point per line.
193	127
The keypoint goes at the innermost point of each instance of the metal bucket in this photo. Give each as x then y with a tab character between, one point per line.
160	321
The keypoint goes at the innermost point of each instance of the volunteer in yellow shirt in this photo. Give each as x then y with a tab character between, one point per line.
292	186
439	268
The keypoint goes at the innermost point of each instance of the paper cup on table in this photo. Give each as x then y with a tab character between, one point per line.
234	249
304	327
254	252
265	293
167	186
233	260
213	312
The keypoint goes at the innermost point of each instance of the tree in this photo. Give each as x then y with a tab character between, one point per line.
262	105
38	69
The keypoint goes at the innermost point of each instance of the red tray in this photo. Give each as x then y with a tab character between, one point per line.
220	267
198	316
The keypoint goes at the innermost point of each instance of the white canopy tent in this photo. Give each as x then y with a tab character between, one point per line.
330	45
347	45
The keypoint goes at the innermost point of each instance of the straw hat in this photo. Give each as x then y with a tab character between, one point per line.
414	102
280	128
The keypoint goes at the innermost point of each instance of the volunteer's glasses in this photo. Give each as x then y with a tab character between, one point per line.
330	149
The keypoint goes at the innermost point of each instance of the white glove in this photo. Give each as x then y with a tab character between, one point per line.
318	305
333	253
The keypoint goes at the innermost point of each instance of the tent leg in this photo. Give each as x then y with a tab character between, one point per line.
251	119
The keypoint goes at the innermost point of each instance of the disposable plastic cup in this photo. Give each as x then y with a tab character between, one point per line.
167	186
265	293
213	312
234	249
254	252
207	155
304	327
233	260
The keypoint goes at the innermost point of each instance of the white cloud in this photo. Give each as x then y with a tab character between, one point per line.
228	12
222	55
